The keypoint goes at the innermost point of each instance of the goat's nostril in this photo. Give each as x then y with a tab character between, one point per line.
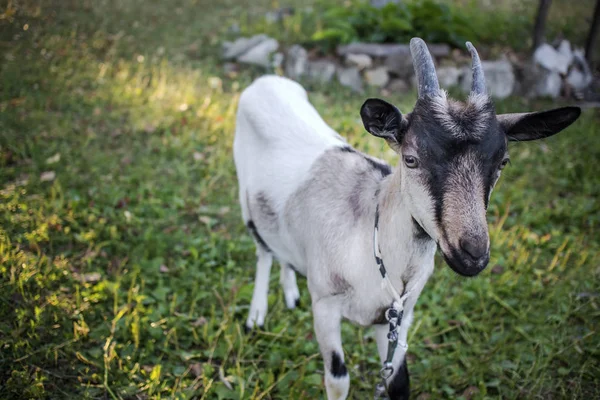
475	248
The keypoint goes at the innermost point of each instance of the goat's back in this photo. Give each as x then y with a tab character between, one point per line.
278	136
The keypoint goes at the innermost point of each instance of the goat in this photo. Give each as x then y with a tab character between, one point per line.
311	201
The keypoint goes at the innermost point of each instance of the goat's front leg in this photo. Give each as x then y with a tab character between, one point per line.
399	382
259	304
328	316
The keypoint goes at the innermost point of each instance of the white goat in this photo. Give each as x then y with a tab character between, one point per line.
311	200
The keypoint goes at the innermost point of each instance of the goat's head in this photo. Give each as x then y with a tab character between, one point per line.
452	154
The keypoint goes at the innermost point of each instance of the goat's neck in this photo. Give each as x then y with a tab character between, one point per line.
401	248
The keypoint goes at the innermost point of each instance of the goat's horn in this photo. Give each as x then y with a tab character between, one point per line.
478	86
424	69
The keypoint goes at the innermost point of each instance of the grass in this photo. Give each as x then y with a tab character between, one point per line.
125	270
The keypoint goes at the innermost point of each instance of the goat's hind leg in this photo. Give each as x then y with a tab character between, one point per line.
259	304
287	279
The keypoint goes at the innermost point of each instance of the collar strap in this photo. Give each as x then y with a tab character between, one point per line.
393	314
398	301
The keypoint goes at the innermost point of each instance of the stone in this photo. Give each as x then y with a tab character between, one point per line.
499	78
527	74
400	65
553	60
296	62
386	49
321	70
240	46
377	77
398	86
534	81
234	28
230	68
548	85
350	77
564	49
360	61
580	76
383	3
260	54
449	76
277	60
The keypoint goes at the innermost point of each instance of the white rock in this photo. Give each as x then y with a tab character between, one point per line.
398	86
400	65
549	58
277	61
377	77
350	77
232	50
360	61
449	76
383	3
387	49
260	54
499	78
296	63
564	49
321	70
580	75
549	85
528	75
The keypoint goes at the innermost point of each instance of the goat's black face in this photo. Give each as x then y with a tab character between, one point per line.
452	155
460	150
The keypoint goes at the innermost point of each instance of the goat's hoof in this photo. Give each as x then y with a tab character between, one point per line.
251	330
292	298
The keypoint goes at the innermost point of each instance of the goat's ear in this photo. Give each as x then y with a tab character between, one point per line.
537	125
381	119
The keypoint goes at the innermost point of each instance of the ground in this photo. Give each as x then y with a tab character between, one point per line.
125	269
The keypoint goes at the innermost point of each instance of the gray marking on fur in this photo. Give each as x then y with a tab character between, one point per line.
339	285
266	213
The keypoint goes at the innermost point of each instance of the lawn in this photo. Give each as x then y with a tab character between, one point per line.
125	268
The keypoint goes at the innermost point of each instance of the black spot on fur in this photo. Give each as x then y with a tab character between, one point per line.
339	284
259	240
338	368
381	167
399	386
347	149
290	266
265	209
384	169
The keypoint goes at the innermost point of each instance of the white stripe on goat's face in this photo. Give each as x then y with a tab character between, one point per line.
459	150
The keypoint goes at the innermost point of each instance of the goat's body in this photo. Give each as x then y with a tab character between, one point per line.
310	200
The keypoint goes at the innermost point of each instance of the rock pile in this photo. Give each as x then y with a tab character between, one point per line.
552	71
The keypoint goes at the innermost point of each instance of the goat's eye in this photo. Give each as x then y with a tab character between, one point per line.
503	163
411	162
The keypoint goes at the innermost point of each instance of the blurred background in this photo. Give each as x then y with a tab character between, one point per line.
125	268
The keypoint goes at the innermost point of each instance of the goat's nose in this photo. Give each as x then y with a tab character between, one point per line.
474	247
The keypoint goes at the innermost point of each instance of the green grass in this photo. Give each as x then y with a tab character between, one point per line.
129	274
